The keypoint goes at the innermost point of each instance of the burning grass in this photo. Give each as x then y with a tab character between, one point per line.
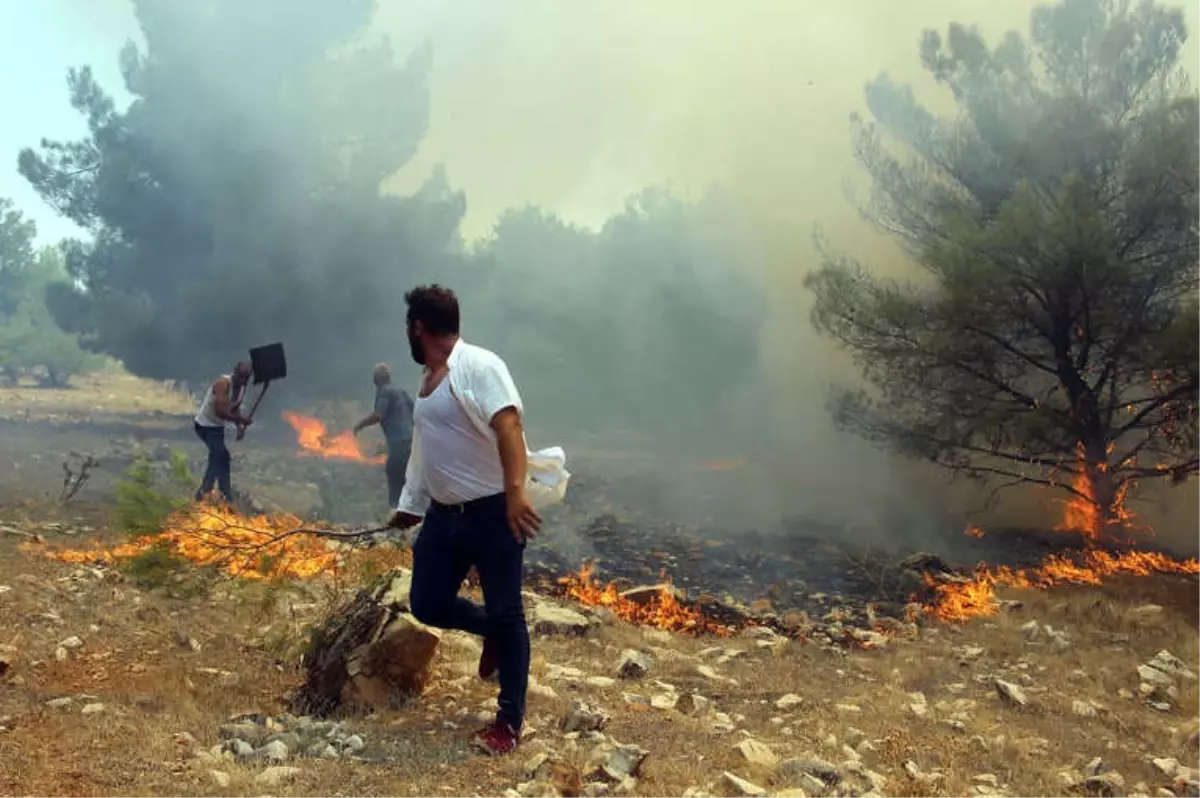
251	547
661	610
314	440
961	601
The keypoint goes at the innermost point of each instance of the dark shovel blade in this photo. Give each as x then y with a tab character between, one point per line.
269	363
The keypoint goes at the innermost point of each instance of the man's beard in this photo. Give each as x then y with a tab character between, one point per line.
418	352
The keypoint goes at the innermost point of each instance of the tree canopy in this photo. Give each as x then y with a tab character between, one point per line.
30	342
1053	335
236	201
652	323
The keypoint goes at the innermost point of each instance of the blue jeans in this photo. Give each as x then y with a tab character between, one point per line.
218	468
452	539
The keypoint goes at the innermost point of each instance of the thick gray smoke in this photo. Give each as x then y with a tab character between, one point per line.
277	176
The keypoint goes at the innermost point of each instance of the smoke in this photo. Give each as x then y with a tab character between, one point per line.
573	109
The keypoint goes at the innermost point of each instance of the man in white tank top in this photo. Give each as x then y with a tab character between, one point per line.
467	474
221	405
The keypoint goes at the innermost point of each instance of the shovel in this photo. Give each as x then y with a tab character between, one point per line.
268	363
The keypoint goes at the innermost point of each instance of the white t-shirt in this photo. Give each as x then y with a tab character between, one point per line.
480	383
207	415
461	463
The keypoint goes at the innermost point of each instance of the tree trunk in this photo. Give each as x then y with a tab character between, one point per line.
1101	489
369	654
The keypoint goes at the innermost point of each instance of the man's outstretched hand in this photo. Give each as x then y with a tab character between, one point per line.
402	520
523	520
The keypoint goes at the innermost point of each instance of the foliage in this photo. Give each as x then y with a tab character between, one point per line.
236	201
1054	336
652	323
145	499
17	256
155	567
30	341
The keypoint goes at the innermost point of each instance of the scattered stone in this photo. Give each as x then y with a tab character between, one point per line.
788	702
1168	766
542	691
1011	693
616	762
914	772
93	709
276	775
71	643
826	772
1171	665
790	792
664	701
355	743
633	665
61	654
848	709
757	753
1084	709
1030	629
583	717
1110	783
239	748
918	705
600	682
59	703
742	787
1154	676
549	618
220	777
988	779
693	704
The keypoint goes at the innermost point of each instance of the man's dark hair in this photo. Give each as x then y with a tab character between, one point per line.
435	307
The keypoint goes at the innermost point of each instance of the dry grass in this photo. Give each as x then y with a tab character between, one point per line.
154	687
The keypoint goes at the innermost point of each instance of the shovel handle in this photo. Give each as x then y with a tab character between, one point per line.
258	401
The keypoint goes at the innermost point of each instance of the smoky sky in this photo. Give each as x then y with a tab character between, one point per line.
574	107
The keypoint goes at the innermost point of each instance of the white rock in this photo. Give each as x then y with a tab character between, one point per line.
582	717
788	702
757	753
220	777
664	701
71	643
1170	664
633	664
59	703
92	709
275	751
742	787
600	682
1011	693
276	775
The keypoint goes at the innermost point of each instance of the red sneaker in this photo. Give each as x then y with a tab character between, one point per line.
488	660
498	738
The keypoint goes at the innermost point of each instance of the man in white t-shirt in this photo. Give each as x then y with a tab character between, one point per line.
467	476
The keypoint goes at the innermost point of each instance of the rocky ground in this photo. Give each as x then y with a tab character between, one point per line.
163	678
177	689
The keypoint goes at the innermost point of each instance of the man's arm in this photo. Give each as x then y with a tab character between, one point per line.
523	520
374	418
221	406
382	403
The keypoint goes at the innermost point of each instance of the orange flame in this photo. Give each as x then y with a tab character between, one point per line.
663	610
313	439
1082	513
237	545
961	601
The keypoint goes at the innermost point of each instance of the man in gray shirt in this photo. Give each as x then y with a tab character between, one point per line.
394	413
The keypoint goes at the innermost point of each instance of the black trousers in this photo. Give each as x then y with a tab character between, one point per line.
397	463
219	462
452	539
